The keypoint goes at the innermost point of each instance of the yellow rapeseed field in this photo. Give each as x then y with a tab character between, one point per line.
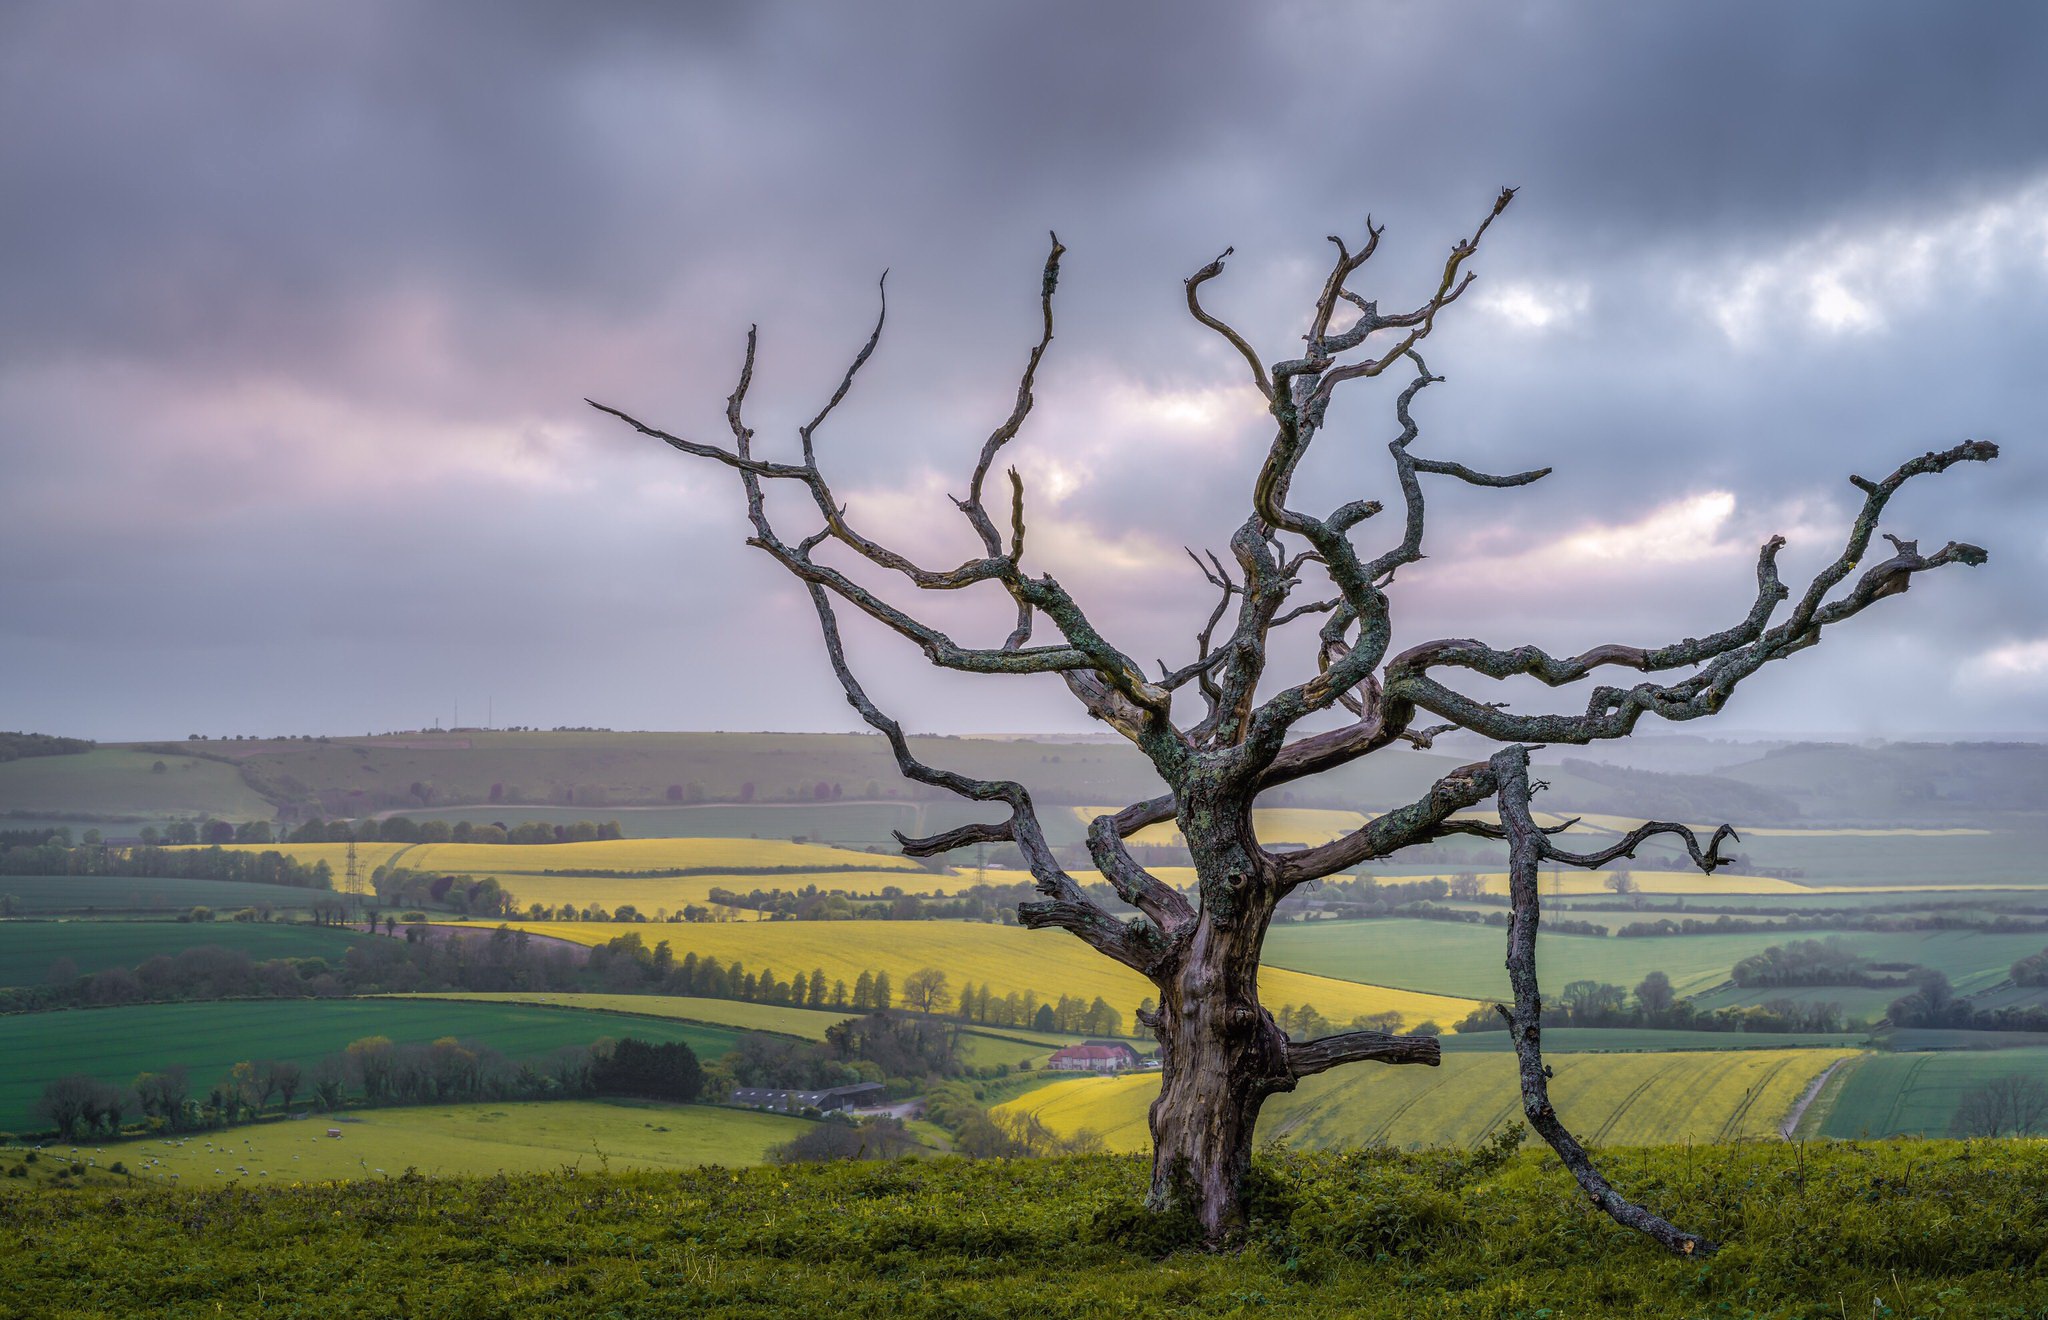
368	855
1048	963
1606	1099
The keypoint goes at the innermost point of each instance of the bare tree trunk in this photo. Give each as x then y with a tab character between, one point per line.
1222	1056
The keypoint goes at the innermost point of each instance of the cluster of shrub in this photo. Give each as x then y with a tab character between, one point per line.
404	829
1817	962
1655	1004
476	896
370	1072
1934	1003
17	746
986	903
264	868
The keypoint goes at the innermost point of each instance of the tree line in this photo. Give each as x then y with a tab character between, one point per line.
1654	1003
264	868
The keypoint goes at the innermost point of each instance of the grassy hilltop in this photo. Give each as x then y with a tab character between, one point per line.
1905	1229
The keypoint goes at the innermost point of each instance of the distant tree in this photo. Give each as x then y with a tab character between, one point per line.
816	997
1654	994
864	992
883	1137
1045	1020
747	791
667	1071
925	990
883	997
2011	1106
497	793
675	792
72	1104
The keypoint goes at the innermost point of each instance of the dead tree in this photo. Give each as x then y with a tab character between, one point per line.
1223	1053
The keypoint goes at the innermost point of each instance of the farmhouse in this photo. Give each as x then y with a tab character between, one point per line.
789	1102
1094	1056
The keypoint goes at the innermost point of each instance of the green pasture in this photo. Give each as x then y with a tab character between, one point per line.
1447	958
28	948
36	895
115	1044
471	1139
1929	1229
1865	1004
1889	1095
116	781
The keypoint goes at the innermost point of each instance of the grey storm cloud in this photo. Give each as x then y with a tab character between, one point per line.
301	304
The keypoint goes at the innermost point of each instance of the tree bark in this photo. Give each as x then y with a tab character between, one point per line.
1222	1055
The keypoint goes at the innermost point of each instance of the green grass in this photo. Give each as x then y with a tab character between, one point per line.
442	1140
112	781
28	948
1885	1095
1443	958
1909	1229
114	1044
39	895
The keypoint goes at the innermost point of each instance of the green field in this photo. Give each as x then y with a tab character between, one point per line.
114	1044
38	894
112	781
1889	1095
1607	1099
1446	958
1891	1230
28	948
475	1139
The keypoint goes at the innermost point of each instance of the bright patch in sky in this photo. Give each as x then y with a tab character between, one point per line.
1859	280
2015	664
1683	530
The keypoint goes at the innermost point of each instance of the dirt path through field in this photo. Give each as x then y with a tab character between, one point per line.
1791	1123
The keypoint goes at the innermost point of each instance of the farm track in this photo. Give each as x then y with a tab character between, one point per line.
1799	1108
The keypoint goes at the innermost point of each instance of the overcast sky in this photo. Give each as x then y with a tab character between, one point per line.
298	305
